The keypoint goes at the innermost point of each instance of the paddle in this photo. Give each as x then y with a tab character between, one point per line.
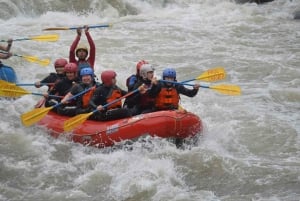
43	38
222	88
2	82
33	84
37	114
211	75
72	28
75	121
13	91
34	59
43	62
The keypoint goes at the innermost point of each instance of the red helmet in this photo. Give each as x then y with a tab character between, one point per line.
139	66
107	76
71	68
60	63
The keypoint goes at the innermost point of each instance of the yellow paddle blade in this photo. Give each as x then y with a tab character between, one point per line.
33	59
181	108
12	91
227	89
73	122
34	115
3	83
30	58
213	75
46	38
56	28
44	62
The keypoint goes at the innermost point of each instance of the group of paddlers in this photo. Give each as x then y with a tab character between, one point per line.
75	87
77	77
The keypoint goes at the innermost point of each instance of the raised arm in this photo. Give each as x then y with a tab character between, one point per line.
72	56
92	53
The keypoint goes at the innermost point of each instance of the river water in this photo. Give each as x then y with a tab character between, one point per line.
250	148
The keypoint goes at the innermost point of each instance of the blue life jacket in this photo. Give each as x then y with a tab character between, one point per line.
7	73
131	81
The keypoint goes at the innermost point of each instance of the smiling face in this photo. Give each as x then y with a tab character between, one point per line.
71	75
86	79
59	70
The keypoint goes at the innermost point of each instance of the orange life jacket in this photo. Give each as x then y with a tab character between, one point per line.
87	97
167	98
114	94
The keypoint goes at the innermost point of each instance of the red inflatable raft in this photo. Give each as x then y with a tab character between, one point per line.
164	124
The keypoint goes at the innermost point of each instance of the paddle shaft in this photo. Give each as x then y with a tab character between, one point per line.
4	83
19	55
183	83
118	99
74	28
3	52
188	80
91	27
32	84
75	96
19	39
224	89
39	94
37	114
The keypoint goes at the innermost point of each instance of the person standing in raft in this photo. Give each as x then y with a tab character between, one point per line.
144	100
107	92
7	54
81	103
167	94
54	78
62	87
84	56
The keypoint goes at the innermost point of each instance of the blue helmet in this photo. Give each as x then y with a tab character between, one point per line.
86	71
169	72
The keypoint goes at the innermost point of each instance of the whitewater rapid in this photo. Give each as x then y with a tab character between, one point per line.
250	147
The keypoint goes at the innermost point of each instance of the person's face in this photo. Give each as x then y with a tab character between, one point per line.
81	54
114	81
86	79
171	79
71	75
150	75
59	69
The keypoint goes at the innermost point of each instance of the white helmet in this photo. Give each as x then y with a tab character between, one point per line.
145	69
